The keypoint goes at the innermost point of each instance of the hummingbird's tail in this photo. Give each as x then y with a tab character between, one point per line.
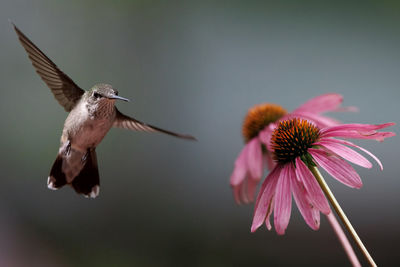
84	179
88	181
57	177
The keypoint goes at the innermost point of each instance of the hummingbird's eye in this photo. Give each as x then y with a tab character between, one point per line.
96	95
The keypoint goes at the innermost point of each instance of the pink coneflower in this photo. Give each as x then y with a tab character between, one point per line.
258	126
298	146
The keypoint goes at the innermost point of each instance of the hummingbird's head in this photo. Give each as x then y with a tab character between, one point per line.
103	93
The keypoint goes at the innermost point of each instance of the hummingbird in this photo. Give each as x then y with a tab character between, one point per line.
91	115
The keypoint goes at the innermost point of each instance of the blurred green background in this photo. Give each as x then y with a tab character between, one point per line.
192	67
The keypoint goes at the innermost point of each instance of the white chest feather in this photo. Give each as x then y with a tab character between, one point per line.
86	125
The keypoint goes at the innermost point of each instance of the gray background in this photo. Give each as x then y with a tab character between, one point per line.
193	67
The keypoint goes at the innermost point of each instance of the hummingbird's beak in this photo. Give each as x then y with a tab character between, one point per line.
119	97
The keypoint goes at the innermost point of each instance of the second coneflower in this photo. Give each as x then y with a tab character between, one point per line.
298	146
258	126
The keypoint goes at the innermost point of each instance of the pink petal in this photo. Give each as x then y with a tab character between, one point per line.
251	189
240	170
360	131
316	216
312	187
247	172
305	207
344	152
269	161
378	136
359	127
267	221
283	199
254	158
266	134
264	199
245	191
337	167
238	194
319	120
362	149
320	104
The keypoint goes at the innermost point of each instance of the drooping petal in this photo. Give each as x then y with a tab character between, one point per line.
320	104
245	191
247	172
264	199
360	131
240	169
251	189
283	199
269	212
337	167
238	194
316	216
339	141
254	159
344	152
305	207
312	187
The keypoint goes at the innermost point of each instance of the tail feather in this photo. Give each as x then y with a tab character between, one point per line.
88	181
57	177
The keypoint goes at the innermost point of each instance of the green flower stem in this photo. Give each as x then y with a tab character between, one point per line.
340	213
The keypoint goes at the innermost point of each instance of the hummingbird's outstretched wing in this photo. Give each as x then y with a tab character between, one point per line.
64	89
123	121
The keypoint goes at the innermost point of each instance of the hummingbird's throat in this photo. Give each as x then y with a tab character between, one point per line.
102	109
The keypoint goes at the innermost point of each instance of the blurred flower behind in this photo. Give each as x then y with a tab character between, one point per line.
296	146
258	126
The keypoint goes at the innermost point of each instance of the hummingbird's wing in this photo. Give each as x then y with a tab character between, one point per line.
64	89
123	121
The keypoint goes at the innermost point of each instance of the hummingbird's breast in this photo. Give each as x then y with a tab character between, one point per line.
86	125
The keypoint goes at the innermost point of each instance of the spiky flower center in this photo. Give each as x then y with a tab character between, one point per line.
292	138
260	116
